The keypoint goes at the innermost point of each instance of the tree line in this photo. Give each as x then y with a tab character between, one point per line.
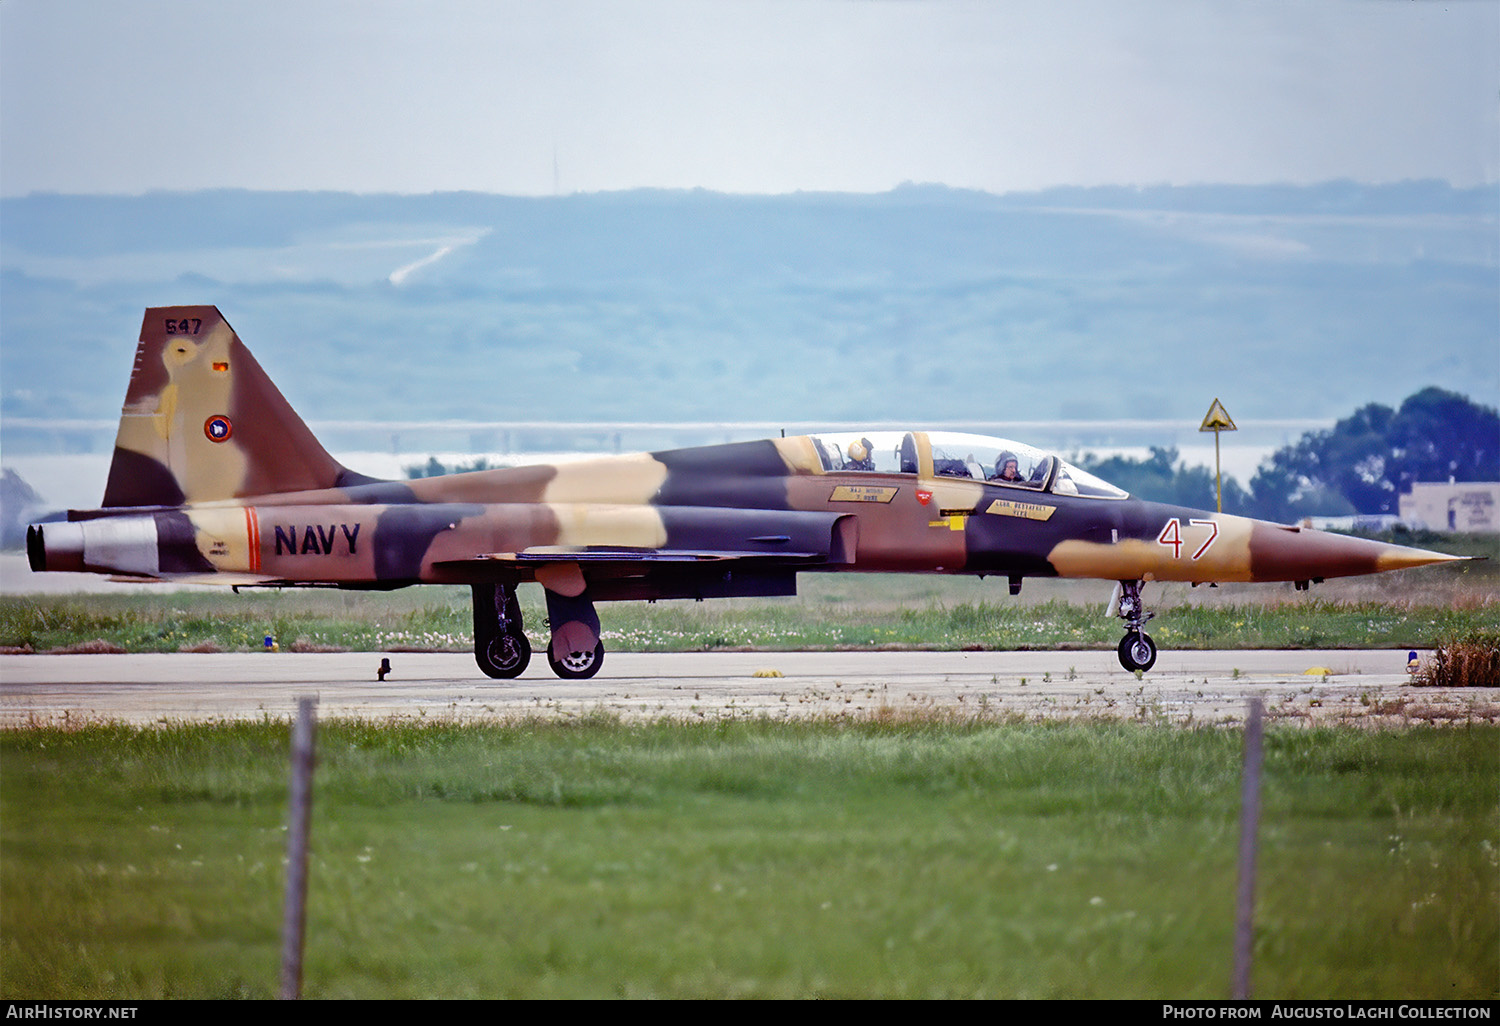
1361	465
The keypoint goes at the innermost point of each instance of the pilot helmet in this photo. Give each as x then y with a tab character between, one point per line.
1007	457
859	451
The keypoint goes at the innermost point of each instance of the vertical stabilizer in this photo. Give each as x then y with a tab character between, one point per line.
203	422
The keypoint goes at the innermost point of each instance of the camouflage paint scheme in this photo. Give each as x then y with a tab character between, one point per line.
215	478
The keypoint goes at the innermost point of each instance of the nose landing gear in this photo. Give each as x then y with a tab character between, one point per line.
1137	651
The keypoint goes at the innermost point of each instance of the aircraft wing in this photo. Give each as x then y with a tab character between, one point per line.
702	537
625	573
698	540
603	564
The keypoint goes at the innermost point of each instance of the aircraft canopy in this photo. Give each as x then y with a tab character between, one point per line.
998	461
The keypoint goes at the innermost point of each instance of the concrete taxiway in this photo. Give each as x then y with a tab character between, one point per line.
1357	687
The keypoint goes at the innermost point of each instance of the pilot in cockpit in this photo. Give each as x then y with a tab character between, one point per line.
860	453
1007	469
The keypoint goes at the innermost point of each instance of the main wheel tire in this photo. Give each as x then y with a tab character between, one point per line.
577	665
504	656
1137	651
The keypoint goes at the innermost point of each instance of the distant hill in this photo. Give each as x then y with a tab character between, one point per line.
924	303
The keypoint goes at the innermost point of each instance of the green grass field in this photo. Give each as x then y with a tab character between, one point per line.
440	620
750	859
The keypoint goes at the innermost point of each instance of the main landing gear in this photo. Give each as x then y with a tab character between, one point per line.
577	665
1137	650
500	645
575	651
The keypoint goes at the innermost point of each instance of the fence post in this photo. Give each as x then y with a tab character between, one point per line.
1244	932
299	819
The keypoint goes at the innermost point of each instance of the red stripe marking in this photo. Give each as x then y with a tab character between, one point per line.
252	535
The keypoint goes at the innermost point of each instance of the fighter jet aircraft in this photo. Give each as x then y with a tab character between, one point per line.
215	478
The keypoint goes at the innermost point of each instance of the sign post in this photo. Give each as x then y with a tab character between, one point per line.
1217	419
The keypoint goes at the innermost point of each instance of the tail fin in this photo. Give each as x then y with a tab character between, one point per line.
202	421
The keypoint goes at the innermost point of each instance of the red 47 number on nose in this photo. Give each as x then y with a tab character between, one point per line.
1172	536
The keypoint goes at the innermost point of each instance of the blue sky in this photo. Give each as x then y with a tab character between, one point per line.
757	96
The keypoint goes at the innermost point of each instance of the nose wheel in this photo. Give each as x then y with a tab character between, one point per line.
1137	651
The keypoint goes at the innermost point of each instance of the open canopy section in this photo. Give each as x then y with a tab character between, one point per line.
997	461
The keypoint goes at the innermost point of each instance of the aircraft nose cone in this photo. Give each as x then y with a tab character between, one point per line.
1402	557
1289	553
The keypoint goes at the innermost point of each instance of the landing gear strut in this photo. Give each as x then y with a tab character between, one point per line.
500	646
1137	651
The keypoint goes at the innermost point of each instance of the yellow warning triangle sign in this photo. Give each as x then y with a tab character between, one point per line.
1218	419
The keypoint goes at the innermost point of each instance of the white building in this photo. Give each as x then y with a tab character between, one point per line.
1467	506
